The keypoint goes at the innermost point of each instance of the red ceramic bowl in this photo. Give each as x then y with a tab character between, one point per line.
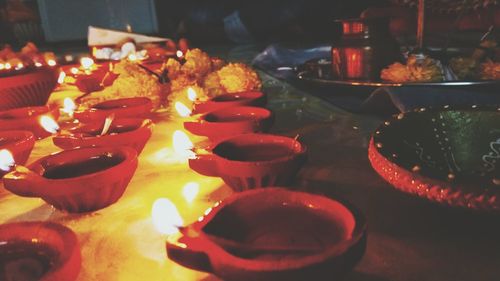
252	160
42	251
29	89
127	107
283	235
231	121
229	100
19	143
79	180
27	118
133	132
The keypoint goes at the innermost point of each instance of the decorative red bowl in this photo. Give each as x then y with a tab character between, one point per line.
42	251
126	107
447	156
281	235
231	121
133	132
28	89
19	143
27	118
252	160
78	180
253	98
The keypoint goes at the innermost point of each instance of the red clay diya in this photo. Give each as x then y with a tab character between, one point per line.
41	251
252	160
133	132
79	180
231	121
29	89
95	81
27	118
126	107
253	98
19	143
273	234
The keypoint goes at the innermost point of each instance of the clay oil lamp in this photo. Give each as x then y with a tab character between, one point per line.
90	77
37	119
41	251
272	234
252	160
126	107
254	98
29	89
231	121
79	180
133	132
15	148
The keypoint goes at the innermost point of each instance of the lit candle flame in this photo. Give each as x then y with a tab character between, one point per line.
166	217
49	124
182	145
190	191
37	64
74	70
6	160
191	94
61	77
2	66
20	66
8	66
51	62
179	54
182	109
69	106
86	63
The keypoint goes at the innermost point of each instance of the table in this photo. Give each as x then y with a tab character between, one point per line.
408	239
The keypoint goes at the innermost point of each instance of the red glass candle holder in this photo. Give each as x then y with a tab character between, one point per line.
282	235
27	118
252	160
79	180
28	89
253	98
38	251
133	132
231	121
19	143
126	107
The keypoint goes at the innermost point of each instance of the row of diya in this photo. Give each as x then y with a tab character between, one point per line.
270	244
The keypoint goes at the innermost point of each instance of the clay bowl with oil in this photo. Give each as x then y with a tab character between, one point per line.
273	234
121	108
27	118
19	144
133	132
41	251
251	98
78	180
231	121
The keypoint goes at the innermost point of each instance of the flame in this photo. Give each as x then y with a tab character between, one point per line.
191	94
51	62
190	191
86	63
8	66
182	144
166	217
132	57
19	66
182	109
2	66
6	160
69	106
74	70
61	77
49	124
179	54
37	64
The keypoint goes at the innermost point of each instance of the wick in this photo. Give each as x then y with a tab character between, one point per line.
107	124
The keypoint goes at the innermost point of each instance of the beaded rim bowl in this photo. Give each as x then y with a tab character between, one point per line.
447	156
